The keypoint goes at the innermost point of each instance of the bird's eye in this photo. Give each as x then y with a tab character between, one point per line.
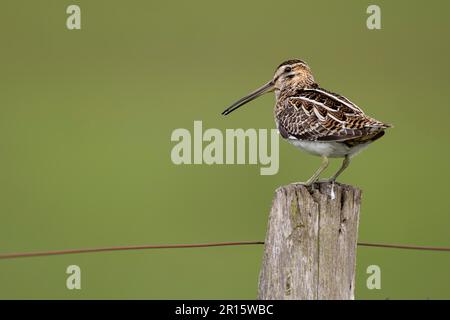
287	69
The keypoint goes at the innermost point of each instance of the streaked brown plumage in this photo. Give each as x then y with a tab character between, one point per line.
314	119
318	115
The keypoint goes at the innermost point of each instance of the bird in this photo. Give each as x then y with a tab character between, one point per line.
315	120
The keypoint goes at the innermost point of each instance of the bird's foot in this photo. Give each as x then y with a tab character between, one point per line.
330	180
300	182
310	182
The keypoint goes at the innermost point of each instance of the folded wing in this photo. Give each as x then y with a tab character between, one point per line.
319	115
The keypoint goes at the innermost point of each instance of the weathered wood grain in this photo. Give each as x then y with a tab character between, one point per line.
310	246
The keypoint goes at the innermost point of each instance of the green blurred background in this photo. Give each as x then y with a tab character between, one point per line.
86	118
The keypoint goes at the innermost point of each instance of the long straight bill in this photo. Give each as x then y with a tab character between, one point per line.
255	94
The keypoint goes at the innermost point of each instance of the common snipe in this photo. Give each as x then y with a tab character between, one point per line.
316	120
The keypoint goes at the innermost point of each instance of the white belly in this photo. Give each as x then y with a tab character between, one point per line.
329	149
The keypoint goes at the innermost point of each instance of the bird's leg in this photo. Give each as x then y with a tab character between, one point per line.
344	166
316	175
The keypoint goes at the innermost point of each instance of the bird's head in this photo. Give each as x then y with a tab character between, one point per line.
291	74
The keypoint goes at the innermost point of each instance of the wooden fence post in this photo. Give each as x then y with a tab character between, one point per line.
310	246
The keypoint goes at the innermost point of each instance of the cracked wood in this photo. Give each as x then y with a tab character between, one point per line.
310	247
